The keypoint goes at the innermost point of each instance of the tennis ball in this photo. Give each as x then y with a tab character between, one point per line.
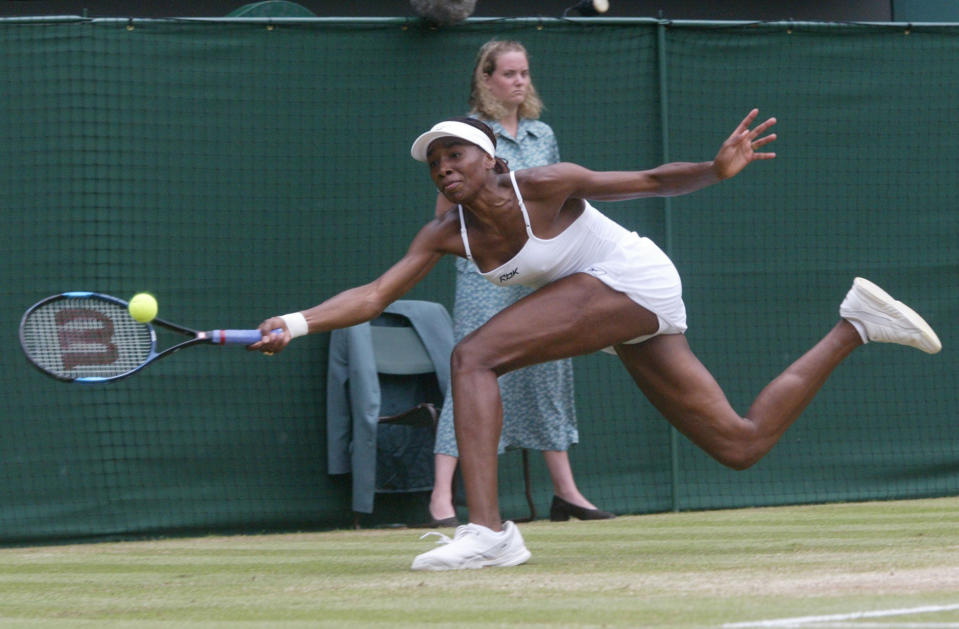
143	307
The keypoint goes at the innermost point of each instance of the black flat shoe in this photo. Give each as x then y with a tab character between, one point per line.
433	523
560	511
444	523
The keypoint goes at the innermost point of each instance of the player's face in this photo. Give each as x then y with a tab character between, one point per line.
457	167
509	82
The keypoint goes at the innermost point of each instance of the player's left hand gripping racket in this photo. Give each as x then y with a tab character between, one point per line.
89	337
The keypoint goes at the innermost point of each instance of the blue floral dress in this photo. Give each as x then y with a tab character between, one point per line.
538	401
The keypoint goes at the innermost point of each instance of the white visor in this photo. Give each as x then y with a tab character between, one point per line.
451	128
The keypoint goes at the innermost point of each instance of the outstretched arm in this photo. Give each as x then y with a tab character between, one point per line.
737	152
363	303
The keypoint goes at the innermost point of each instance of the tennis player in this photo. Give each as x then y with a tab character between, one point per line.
600	286
539	410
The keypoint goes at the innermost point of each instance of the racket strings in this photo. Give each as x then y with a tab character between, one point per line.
85	337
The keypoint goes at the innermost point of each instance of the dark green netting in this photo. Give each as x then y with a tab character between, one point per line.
238	169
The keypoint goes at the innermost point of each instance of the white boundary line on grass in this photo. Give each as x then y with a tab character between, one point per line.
805	620
886	625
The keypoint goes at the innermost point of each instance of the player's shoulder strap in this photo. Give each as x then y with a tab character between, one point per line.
466	240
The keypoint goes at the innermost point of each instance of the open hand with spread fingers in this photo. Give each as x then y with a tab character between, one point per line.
740	148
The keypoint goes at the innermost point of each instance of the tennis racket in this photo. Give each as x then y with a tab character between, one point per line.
90	338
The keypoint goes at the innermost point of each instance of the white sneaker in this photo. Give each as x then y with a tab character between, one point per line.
885	319
475	546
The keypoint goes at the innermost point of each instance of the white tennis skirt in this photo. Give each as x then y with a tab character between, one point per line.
642	271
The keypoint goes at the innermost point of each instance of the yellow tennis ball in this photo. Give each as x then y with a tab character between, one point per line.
143	307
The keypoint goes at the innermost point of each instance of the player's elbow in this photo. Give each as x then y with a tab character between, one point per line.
371	309
364	303
376	299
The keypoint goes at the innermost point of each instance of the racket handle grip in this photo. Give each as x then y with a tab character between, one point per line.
236	337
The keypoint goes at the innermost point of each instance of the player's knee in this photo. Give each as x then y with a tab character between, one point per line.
737	445
468	356
738	455
737	462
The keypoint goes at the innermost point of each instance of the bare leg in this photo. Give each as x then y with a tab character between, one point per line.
478	413
526	333
564	485
664	368
578	314
688	396
441	500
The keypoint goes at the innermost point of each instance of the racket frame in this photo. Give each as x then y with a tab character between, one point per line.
196	337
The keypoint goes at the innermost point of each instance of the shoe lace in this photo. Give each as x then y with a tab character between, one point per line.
444	539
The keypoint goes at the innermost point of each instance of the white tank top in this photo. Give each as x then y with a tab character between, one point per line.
587	241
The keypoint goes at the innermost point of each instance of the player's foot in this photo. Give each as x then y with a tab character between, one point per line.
886	320
474	546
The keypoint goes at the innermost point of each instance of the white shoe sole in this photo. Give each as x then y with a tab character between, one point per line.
880	296
515	558
520	556
476	563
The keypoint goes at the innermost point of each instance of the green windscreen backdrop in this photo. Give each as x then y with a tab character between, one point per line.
243	168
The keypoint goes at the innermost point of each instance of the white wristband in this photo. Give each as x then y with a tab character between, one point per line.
296	324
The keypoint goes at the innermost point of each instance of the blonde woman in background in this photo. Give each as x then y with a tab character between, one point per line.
538	402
